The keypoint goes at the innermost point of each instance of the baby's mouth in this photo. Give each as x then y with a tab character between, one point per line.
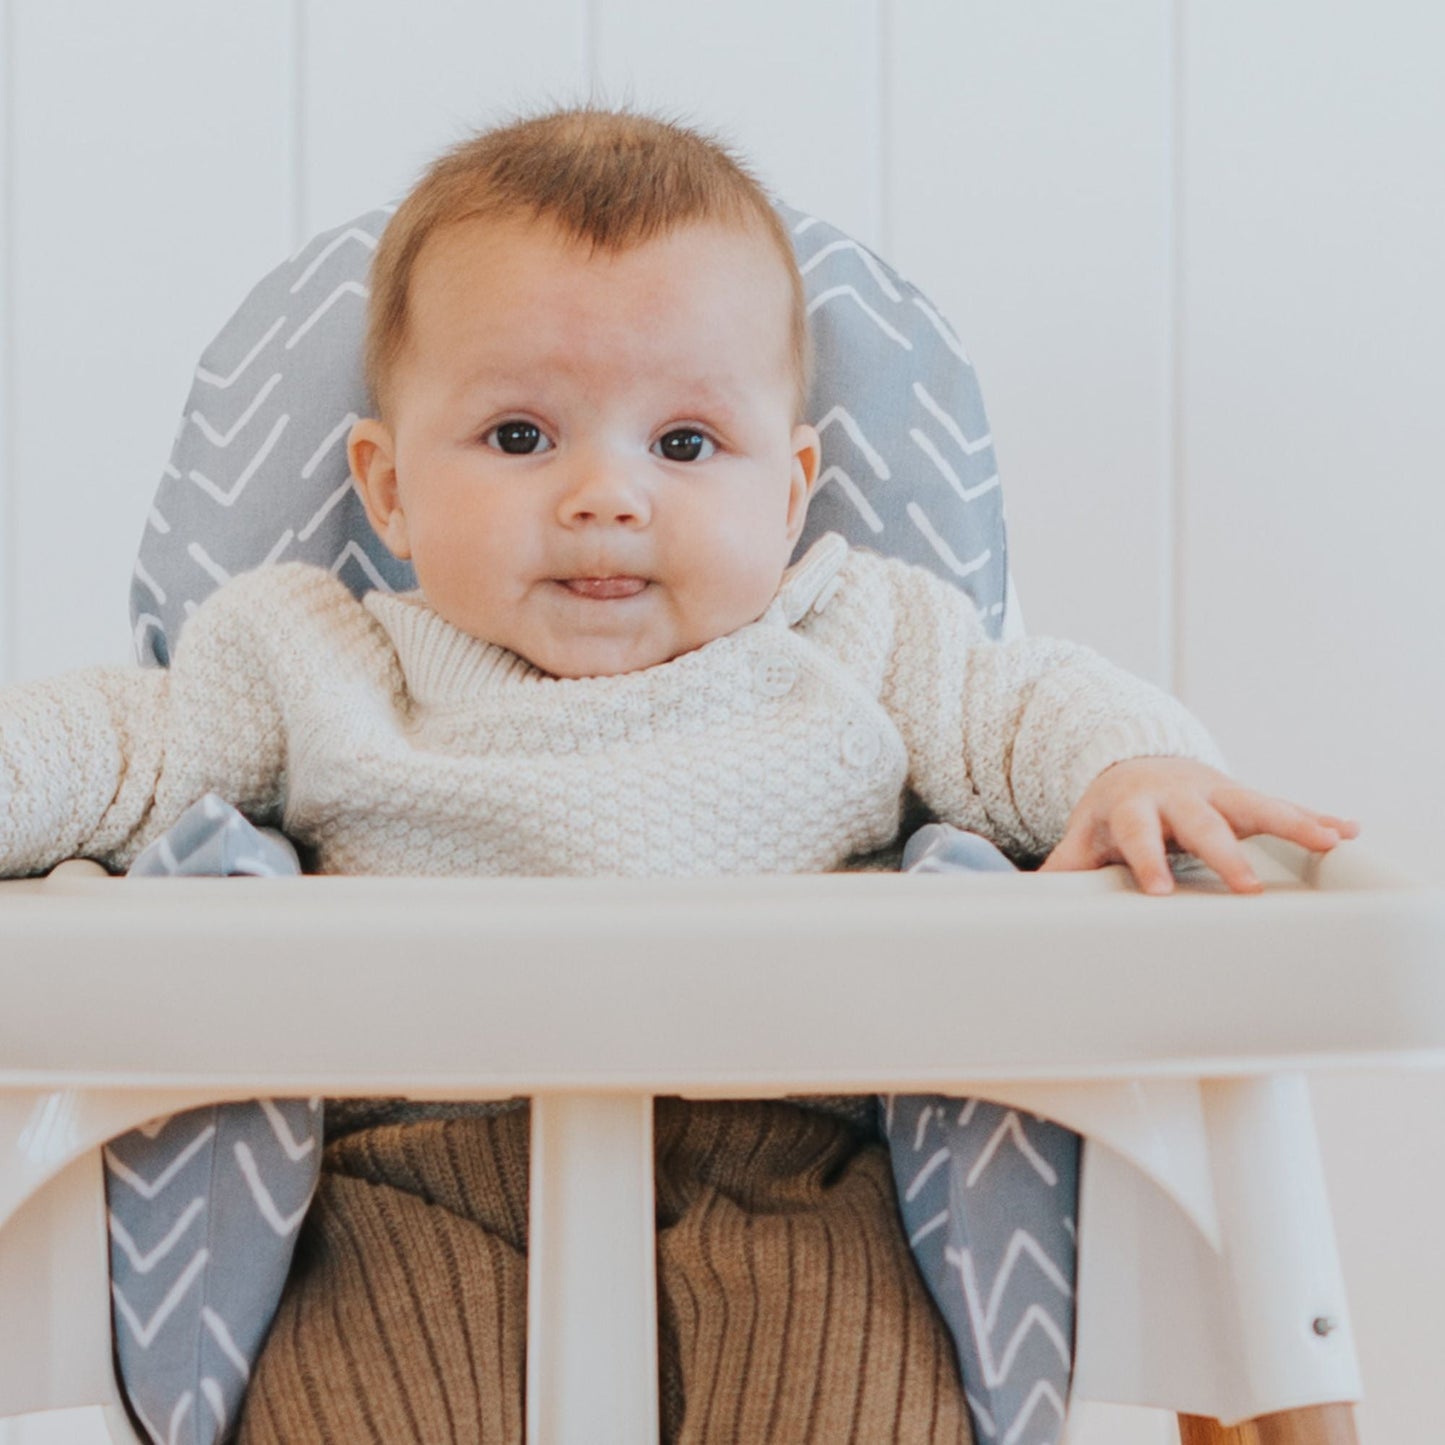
604	589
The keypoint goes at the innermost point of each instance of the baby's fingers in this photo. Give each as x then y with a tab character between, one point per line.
1139	837
1207	834
1074	852
1251	813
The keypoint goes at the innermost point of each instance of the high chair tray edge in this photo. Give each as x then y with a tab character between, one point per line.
728	985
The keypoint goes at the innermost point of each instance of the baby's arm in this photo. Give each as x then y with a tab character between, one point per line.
101	761
1046	747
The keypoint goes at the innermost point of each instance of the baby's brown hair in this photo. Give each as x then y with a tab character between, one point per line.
608	177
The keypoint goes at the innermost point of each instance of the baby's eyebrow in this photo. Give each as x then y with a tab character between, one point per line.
697	395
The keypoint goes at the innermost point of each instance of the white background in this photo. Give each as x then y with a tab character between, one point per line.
1194	247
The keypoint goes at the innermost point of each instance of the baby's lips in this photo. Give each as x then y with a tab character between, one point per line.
604	588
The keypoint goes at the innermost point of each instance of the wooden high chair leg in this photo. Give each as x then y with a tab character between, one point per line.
1316	1425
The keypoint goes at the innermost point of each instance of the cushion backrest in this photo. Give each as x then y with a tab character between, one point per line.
258	472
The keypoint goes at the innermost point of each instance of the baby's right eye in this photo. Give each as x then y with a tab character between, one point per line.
518	438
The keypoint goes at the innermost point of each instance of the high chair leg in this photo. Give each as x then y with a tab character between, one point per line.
591	1272
1315	1425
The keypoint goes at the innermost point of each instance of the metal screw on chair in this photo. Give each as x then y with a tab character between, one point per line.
1323	1325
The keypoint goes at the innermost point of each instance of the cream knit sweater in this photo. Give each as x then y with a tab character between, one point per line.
387	741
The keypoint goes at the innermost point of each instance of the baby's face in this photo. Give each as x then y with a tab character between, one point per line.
592	461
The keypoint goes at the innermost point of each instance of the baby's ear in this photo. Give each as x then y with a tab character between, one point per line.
807	458
371	451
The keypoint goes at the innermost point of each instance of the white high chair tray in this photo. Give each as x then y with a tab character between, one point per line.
1060	993
757	984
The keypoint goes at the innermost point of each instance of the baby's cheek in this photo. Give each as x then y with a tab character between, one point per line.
730	602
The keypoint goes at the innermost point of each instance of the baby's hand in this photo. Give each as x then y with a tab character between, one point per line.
1131	810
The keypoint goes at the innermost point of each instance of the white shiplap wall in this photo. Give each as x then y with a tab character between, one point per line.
1193	248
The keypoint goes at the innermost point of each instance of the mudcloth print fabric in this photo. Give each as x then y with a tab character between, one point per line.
989	1198
204	1209
204	1206
211	839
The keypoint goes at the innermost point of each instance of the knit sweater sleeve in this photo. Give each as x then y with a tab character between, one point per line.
1004	737
99	762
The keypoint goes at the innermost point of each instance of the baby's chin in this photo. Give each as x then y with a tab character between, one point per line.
576	659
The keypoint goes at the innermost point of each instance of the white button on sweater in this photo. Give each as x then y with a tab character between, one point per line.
387	741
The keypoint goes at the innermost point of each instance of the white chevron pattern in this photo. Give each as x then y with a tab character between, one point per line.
850	489
324	510
849	423
1000	1269
207	563
144	1332
224	439
943	329
982	1418
178	1414
183	1406
1012	1130
920	1133
347	288
149	1188
186	1268
1042	1393
925	444
930	1226
341	429
351	552
996	1367
295	1148
212	1391
149	583
846	243
1021	1243
226	496
144	1263
352	233
265	1202
217	1326
851	292
281	544
212	379
968	448
942	1156
919	518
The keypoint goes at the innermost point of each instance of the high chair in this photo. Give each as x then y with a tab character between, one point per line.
1175	1034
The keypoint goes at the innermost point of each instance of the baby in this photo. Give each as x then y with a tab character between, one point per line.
589	355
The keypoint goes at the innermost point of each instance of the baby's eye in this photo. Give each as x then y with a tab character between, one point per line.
685	444
518	438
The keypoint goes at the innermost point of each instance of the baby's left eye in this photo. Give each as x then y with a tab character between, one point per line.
519	438
685	444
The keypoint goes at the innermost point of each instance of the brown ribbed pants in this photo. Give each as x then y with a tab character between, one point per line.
790	1308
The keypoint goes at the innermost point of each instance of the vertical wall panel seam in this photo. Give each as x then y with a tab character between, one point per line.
296	222
883	21
9	290
589	47
1175	559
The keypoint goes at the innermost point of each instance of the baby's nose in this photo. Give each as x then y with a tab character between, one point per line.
605	491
